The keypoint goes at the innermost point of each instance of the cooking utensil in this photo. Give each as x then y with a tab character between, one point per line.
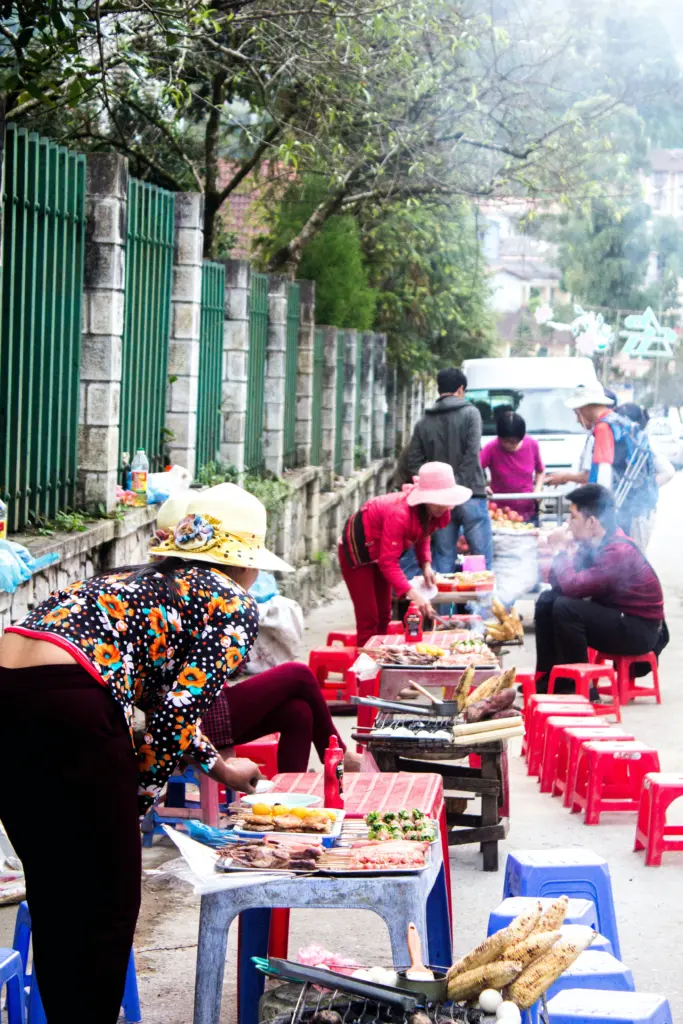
445	708
291	971
435	989
425	693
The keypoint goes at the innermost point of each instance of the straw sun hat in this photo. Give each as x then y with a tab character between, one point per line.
225	525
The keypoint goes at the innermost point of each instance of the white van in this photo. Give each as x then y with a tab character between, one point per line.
536	388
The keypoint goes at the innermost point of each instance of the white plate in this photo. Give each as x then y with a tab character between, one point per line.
420	584
285	799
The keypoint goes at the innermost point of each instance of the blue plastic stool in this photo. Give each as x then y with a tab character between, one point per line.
578	912
574	1006
12	976
575	873
36	1013
599	943
592	970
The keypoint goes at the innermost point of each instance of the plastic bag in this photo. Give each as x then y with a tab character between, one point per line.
515	563
280	633
265	588
17	564
365	667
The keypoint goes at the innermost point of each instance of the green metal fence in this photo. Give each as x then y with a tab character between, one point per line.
256	371
210	384
317	405
291	360
149	278
339	404
40	327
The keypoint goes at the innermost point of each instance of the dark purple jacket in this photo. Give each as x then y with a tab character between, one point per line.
616	575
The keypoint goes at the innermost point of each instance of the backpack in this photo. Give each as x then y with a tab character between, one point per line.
635	477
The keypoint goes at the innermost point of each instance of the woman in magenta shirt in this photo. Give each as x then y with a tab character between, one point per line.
514	462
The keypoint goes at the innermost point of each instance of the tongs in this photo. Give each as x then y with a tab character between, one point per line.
291	971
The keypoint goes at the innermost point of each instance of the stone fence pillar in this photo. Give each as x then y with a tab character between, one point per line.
183	351
379	398
349	419
403	428
101	352
235	362
390	441
304	373
367	389
329	406
274	392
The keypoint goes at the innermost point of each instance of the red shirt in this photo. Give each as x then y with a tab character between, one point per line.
392	526
618	576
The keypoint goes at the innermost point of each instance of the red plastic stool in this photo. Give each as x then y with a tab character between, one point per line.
345	639
582	675
568	753
536	728
628	690
534	699
263	752
554	727
327	660
658	793
365	716
609	777
341	691
395	627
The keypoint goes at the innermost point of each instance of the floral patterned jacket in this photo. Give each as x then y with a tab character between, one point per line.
168	657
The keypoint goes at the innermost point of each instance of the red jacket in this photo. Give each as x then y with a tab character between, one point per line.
616	575
392	526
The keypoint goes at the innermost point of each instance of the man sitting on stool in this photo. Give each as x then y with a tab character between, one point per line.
605	594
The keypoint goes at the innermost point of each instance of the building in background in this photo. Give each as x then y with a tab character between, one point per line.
663	186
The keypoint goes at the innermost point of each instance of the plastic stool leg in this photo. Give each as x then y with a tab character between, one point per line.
36	1013
254	926
131	998
439	924
22	934
278	938
12	976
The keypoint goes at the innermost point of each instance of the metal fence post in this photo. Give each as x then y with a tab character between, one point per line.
366	391
183	352
274	406
305	399
379	397
101	348
235	362
348	453
329	405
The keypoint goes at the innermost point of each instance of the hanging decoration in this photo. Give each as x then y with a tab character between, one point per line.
646	337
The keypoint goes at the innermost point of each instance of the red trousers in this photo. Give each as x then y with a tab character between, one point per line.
370	592
285	699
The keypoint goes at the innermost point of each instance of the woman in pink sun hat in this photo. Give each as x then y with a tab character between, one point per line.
375	537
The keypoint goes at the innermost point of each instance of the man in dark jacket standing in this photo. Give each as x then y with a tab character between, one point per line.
451	432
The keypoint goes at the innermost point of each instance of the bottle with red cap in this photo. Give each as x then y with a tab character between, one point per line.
412	624
334	775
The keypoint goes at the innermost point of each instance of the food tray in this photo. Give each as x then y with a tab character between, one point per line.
327	840
368	872
225	867
355	829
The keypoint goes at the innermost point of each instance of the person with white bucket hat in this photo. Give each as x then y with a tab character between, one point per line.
162	638
591	405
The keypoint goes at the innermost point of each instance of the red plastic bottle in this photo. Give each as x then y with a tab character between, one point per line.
334	775
412	624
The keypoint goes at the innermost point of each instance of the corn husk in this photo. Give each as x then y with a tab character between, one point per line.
471	983
492	947
463	688
484	690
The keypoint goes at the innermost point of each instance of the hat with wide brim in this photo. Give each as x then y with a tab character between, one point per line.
224	525
584	395
435	485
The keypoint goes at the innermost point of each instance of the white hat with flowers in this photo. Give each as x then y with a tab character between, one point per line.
225	525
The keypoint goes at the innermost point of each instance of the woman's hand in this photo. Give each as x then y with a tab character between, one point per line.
421	602
240	773
428	574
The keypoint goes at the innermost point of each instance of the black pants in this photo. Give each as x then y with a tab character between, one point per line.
567	626
68	801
